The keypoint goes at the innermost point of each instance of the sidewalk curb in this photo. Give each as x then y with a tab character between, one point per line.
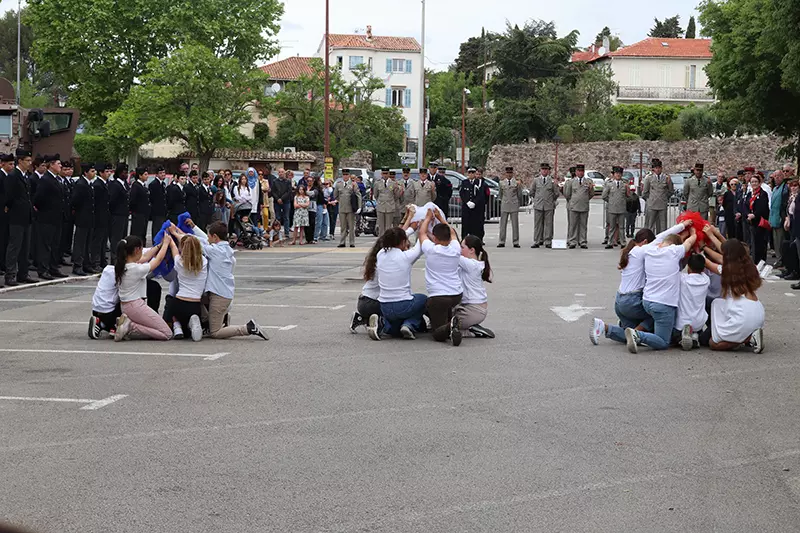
71	279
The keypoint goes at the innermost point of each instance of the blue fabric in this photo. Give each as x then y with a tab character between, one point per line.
167	265
664	317
405	313
778	193
631	314
252	177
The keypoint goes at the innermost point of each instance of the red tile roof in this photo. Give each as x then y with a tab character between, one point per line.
395	44
658	47
290	68
589	55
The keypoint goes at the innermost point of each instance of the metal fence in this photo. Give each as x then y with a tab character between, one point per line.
664	93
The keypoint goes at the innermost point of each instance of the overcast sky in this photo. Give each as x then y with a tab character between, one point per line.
450	22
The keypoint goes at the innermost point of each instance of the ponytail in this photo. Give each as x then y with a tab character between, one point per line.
643	236
473	242
623	257
371	261
125	248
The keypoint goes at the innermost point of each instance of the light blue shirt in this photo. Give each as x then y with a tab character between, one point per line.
220	266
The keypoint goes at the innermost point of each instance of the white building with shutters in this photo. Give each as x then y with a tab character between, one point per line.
396	60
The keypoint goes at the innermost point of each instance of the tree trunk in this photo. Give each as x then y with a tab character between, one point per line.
205	160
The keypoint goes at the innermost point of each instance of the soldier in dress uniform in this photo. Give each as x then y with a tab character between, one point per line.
697	190
399	210
510	202
6	167
48	202
82	204
385	192
158	201
176	198
656	191
349	197
444	190
139	204
545	193
19	210
409	190
193	195
205	200
68	224
425	189
118	205
473	193
579	192
102	217
38	170
615	194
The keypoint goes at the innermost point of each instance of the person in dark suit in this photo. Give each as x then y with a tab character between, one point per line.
176	198
48	203
102	217
444	191
20	216
82	204
191	189
205	202
758	210
6	167
68	222
34	176
473	193
118	205
139	204
158	201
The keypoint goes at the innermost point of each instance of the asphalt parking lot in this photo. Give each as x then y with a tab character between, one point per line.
321	430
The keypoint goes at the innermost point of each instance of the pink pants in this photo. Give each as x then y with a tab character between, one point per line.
145	322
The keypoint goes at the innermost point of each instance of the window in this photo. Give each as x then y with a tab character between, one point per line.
5	126
398	66
356	61
340	61
636	76
407	128
664	76
369	64
691	77
398	96
59	121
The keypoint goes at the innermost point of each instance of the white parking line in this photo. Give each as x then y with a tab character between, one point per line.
43	301
91	405
204	356
289	306
84	322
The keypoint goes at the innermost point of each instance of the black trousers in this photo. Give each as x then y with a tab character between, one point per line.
48	248
182	311
119	230
3	239
157	221
80	247
17	261
309	230
202	222
368	307
108	321
790	256
98	253
67	229
472	222
33	246
153	295
440	311
760	242
139	226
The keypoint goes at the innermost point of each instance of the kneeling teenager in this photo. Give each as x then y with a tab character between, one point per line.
442	279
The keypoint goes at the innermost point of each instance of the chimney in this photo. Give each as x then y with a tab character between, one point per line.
369	33
606	43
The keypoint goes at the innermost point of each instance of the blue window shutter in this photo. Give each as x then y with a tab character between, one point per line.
388	97
388	66
407	103
407	127
408	66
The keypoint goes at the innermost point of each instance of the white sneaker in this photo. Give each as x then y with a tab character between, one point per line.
687	340
407	333
598	329
761	265
177	331
372	328
766	271
196	328
123	328
632	340
757	341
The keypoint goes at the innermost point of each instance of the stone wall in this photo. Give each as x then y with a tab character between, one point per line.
728	154
359	159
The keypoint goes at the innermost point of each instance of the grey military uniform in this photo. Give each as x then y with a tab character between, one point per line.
510	202
615	194
656	191
385	192
409	196
545	193
425	192
696	193
578	192
343	193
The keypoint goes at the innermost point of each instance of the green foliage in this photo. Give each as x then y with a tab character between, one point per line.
100	49
697	122
672	132
439	143
627	136
482	133
647	121
596	126
691	29
96	148
565	133
444	95
30	97
192	95
613	40
473	53
37	85
669	29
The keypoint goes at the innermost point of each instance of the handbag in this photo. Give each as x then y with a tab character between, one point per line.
354	204
764	224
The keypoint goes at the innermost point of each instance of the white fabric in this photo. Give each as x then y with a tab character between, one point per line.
632	277
106	295
394	273
692	303
441	268
133	285
470	272
662	271
735	319
191	286
422	212
372	288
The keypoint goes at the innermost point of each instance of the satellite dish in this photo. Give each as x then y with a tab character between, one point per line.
276	87
601	51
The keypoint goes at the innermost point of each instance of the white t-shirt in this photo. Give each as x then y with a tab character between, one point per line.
662	271
471	271
441	268
692	303
106	295
191	286
394	273
372	288
735	319
632	277
133	285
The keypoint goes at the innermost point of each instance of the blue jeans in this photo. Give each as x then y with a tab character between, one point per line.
282	214
664	317
405	313
321	224
631	314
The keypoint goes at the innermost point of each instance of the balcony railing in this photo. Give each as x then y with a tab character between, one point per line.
664	93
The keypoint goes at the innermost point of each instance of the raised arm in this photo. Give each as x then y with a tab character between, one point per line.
423	229
674	230
709	232
162	253
688	244
713	255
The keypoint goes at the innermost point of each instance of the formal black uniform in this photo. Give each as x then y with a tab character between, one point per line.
176	200
83	212
102	218
139	206
34	176
205	206
5	159
444	191
118	200
192	197
158	204
68	222
20	216
48	203
473	193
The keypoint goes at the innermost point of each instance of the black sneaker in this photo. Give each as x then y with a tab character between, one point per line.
78	272
501	245
226	320
482	332
255	329
455	331
534	246
46	276
355	321
94	328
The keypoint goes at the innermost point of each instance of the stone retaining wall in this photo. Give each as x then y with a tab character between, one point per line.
359	159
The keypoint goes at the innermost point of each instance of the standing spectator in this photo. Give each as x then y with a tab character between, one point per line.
82	204
444	191
330	211
656	191
119	205
715	206
266	200
282	194
68	222
728	224
205	201
242	197
255	196
158	202
48	203
758	219
301	208
347	194
139	204
317	206
98	252
777	214
633	209
791	226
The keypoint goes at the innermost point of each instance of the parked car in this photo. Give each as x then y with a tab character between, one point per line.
598	178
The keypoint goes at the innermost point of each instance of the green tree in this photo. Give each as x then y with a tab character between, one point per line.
647	121
669	29
444	95
100	49
474	52
192	95
37	85
482	135
672	132
613	40
697	122
439	143
691	29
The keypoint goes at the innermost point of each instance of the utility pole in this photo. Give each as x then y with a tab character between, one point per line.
328	158
464	94
422	115
19	58
485	59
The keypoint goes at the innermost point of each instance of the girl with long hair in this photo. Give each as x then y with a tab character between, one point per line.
368	303
474	270
225	210
301	205
628	301
319	209
192	269
130	272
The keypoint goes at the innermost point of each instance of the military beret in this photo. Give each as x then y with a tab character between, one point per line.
580	167
86	167
545	166
67	163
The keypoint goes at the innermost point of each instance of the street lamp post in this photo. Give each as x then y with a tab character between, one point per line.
328	161
464	129
421	140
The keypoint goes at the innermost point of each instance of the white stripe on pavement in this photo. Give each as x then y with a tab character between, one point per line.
205	356
66	323
91	405
283	306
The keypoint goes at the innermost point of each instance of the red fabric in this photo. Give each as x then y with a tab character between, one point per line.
699	224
